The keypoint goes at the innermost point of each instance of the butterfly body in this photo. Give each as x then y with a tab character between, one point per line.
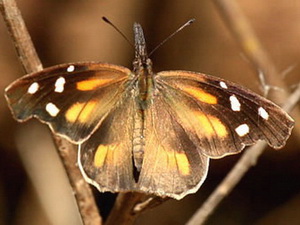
144	131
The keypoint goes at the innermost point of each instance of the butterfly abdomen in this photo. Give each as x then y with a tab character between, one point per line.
138	142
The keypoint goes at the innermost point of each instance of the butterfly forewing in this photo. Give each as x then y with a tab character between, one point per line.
72	99
221	117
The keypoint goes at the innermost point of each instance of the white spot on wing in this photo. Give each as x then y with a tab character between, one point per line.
242	130
223	85
52	109
263	113
33	88
71	68
235	103
59	85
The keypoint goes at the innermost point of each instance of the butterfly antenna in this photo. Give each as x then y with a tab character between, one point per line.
171	35
117	29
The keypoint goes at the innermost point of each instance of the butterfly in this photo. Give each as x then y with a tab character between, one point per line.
144	131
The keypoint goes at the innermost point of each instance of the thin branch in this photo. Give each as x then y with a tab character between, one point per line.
129	206
248	160
84	196
242	31
20	36
67	152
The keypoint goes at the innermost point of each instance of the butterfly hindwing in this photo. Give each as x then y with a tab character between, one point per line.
105	158
172	164
71	98
221	117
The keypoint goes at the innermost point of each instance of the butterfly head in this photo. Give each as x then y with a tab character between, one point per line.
141	56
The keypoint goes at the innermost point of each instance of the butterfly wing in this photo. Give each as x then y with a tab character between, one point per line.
194	117
172	165
221	117
72	99
105	159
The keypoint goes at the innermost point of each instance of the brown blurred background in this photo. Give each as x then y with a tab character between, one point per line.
33	187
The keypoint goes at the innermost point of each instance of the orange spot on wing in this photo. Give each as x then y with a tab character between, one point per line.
211	125
80	112
182	75
73	112
87	111
178	161
200	95
183	163
91	84
104	154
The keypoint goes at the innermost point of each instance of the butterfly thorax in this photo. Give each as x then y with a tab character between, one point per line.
142	68
144	86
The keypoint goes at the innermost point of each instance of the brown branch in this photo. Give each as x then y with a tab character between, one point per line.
248	160
20	36
67	152
242	31
129	206
84	196
123	210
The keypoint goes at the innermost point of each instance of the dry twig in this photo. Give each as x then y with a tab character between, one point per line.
67	152
129	205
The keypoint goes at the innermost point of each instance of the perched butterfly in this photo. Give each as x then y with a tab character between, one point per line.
143	131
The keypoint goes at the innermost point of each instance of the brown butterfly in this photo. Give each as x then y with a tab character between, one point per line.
144	131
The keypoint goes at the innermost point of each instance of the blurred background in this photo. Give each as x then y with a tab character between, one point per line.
33	186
